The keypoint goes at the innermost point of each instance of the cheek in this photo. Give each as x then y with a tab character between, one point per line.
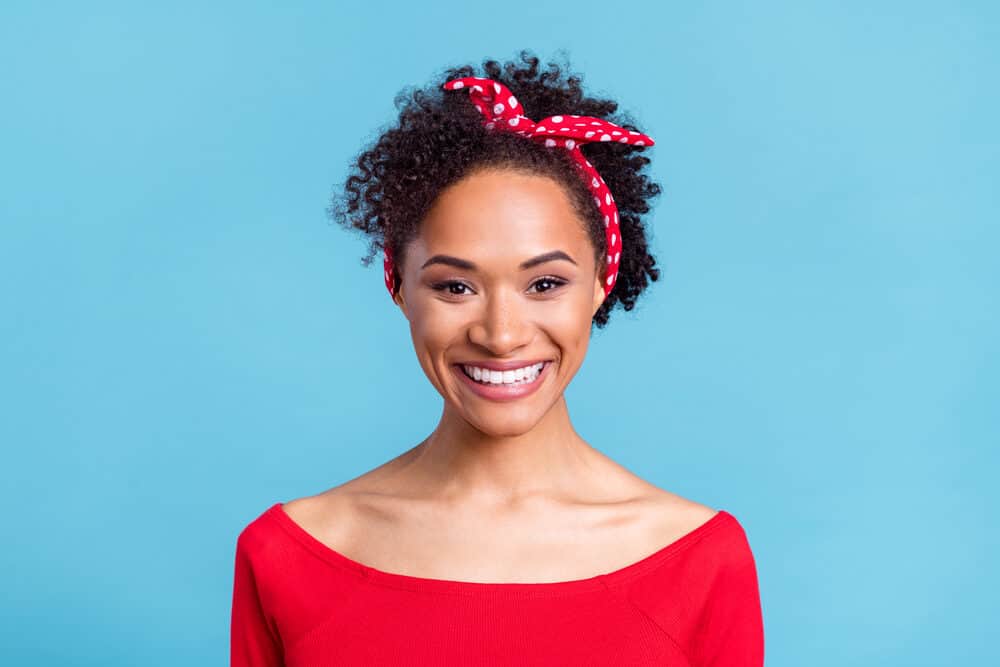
433	332
435	324
567	326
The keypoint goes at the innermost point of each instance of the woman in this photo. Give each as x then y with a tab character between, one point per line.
503	538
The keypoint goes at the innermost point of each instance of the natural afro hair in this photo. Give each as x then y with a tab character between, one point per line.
440	138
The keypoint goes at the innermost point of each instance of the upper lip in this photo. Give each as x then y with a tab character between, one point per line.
502	365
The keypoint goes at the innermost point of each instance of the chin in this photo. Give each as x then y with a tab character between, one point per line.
501	420
504	428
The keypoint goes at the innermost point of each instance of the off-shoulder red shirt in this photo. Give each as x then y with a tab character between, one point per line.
298	603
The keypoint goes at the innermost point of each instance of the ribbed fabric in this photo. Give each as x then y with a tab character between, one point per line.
298	603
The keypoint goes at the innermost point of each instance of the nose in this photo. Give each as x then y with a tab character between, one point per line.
501	326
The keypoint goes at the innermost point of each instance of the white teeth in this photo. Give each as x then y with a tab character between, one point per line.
522	375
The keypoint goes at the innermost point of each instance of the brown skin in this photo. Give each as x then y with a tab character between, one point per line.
500	491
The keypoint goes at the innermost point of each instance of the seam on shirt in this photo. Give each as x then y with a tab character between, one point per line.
620	594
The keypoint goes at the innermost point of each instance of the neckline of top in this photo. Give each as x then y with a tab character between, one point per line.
498	589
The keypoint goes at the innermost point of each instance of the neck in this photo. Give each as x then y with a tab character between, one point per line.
461	463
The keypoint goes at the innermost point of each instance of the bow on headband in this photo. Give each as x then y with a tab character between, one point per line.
502	111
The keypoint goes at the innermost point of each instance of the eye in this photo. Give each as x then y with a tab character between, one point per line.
440	287
555	282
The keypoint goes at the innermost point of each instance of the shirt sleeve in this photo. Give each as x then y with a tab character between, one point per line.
254	641
731	632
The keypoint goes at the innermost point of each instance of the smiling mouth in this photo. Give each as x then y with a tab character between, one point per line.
488	378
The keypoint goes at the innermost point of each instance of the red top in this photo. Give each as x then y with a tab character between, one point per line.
297	602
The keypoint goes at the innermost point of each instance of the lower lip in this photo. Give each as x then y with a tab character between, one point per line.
503	392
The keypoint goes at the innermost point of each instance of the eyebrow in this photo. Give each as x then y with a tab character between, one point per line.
526	264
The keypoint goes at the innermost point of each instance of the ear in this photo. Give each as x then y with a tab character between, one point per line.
598	294
398	299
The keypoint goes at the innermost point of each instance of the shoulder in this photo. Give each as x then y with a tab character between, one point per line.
711	564
715	544
278	548
337	512
682	515
714	536
662	512
682	511
705	594
666	514
256	543
318	514
333	516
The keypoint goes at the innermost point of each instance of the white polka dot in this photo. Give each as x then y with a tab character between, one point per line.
498	107
580	124
640	142
632	132
605	137
616	217
514	121
570	144
557	119
512	101
595	182
623	140
588	163
458	84
610	259
607	220
613	237
589	134
610	279
617	255
540	128
489	126
607	199
595	122
477	88
597	201
616	133
496	87
550	142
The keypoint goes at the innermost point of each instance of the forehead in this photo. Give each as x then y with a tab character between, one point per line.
502	213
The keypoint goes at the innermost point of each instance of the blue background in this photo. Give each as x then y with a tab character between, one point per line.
186	338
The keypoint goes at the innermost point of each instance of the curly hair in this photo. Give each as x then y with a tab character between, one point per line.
440	138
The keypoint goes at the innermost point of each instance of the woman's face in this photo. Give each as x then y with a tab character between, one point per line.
470	296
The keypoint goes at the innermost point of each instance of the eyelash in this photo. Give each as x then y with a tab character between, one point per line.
557	282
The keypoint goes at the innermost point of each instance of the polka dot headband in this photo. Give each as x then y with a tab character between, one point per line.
502	111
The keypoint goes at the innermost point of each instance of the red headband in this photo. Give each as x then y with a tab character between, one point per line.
502	111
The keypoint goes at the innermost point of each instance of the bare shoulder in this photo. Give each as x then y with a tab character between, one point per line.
311	513
337	507
671	515
663	512
331	515
684	507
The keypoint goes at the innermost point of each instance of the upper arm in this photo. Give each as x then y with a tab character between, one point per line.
254	641
730	631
